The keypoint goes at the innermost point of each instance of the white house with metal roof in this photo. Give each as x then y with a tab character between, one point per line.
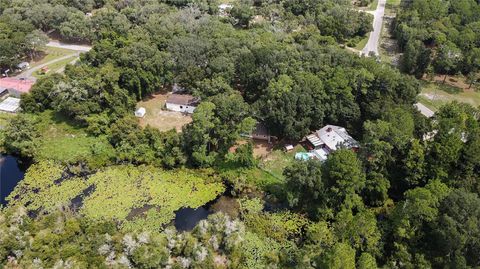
328	139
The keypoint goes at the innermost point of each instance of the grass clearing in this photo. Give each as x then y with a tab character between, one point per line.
55	67
65	142
276	162
373	5
360	45
51	53
159	118
435	94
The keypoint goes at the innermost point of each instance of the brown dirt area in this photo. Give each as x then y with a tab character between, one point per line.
159	118
261	149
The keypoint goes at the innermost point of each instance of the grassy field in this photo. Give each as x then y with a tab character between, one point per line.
67	143
434	95
276	162
51	54
55	67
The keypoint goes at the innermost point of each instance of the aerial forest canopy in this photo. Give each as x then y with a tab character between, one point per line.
102	191
441	36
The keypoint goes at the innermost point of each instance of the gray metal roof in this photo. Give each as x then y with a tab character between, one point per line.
10	105
332	136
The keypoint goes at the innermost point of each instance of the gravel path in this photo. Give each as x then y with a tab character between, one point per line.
58	44
28	74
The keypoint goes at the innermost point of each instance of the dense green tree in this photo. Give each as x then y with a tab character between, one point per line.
340	256
416	58
242	11
292	107
457	232
345	179
21	136
305	186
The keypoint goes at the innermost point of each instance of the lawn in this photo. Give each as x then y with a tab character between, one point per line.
55	67
373	5
52	53
360	45
435	94
160	118
65	142
276	162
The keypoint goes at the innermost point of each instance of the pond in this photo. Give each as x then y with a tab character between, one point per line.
11	172
187	218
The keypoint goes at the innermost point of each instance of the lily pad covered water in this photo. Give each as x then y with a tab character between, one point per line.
137	197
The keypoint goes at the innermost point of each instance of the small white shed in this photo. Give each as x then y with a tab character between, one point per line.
140	112
10	105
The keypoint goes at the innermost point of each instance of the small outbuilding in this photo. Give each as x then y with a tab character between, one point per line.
140	112
184	103
10	105
261	133
23	66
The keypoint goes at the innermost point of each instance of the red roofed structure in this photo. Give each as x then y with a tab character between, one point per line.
16	86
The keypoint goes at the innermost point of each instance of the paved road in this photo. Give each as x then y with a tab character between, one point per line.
374	39
427	112
58	44
27	74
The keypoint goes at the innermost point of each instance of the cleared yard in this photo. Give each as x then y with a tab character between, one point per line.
278	159
159	118
50	54
55	67
434	95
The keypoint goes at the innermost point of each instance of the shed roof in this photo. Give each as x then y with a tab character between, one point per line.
182	99
261	129
10	104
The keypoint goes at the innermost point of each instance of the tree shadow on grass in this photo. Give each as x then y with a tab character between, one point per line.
59	118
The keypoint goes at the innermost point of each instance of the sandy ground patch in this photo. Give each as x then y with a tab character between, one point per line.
262	148
159	118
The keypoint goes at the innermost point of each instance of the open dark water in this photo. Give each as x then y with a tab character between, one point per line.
11	172
187	218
